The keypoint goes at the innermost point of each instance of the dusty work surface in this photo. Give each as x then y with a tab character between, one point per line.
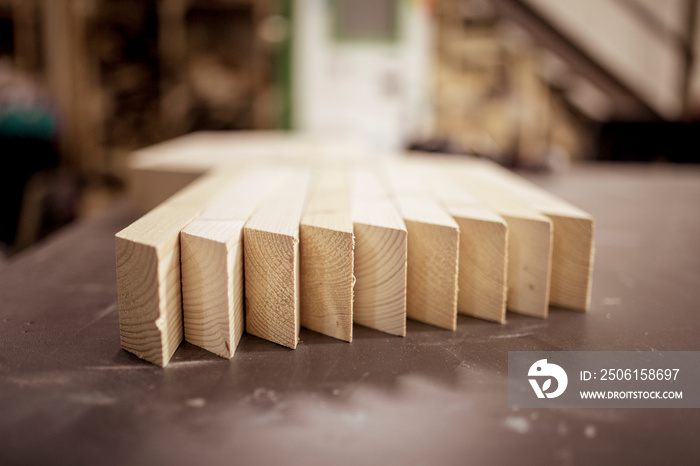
70	395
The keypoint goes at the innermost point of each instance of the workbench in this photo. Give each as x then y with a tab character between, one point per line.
70	395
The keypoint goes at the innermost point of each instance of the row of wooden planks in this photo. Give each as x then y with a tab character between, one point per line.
267	250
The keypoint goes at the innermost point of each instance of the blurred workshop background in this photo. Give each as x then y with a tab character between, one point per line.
533	84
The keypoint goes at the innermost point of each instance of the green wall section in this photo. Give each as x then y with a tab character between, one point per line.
283	67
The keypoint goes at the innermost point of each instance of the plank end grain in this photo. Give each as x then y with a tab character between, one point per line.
433	261
380	272
327	257
572	262
150	315
529	265
327	265
271	286
212	285
271	261
381	255
483	266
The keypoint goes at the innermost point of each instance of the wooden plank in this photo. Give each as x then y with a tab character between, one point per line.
433	261
483	262
380	257
212	265
572	250
271	255
148	272
327	258
572	261
483	247
433	249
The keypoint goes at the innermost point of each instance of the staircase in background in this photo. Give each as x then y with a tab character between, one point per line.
637	53
628	64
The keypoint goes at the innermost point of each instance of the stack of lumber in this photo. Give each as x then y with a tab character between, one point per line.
280	232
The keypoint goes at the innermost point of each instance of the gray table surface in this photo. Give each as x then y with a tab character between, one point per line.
70	395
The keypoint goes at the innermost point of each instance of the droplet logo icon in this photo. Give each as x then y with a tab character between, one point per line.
541	369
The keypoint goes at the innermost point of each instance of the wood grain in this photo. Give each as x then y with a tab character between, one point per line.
433	262
327	257
212	265
148	272
433	249
380	257
271	257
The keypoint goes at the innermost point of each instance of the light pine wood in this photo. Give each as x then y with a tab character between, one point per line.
483	262
572	261
327	257
433	261
271	257
483	247
148	272
573	229
433	249
425	245
212	265
380	257
529	246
